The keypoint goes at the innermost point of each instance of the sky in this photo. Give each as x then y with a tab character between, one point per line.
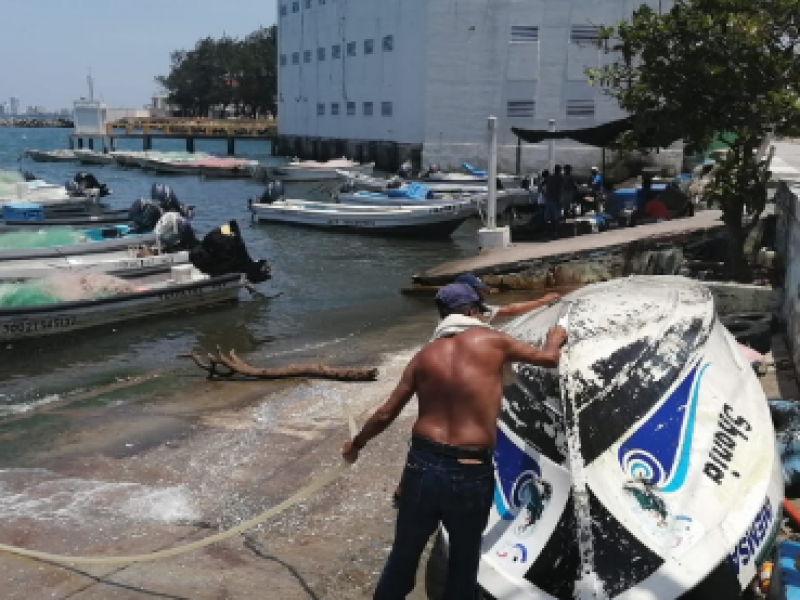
48	47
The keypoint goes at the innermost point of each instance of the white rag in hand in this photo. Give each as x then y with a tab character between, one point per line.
455	324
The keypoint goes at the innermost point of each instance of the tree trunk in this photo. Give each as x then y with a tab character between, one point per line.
737	268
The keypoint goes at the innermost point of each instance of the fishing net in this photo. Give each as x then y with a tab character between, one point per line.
62	287
43	238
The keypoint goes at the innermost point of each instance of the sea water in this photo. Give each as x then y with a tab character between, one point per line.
328	290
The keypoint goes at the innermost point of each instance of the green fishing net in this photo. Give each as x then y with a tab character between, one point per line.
43	238
13	295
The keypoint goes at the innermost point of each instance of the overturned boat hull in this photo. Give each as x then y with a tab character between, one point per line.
645	467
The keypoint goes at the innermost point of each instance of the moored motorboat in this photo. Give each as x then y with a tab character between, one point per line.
182	288
59	242
145	259
226	168
52	155
424	222
645	466
311	170
90	157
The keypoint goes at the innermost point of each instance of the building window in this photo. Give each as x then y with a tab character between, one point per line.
295	58
308	3
584	34
320	54
351	109
295	7
283	60
388	43
367	109
386	109
335	109
307	56
336	51
520	108
524	33
351	48
580	108
320	110
283	10
369	46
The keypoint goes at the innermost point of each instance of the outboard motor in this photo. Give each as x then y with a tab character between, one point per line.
28	176
144	215
348	187
166	198
74	190
174	232
87	181
394	183
405	170
526	182
273	192
222	251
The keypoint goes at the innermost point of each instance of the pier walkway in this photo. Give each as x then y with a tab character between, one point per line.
519	256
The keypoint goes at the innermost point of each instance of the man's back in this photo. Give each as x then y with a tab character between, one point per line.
458	384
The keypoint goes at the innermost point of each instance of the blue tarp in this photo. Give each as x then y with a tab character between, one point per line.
473	171
790	576
413	191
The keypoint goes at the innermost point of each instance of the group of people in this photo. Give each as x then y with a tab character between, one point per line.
559	194
448	477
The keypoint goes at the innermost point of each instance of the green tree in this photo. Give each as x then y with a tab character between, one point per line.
224	73
705	67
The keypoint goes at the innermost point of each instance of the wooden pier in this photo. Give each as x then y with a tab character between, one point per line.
187	128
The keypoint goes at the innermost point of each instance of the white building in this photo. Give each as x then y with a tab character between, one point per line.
391	79
13	106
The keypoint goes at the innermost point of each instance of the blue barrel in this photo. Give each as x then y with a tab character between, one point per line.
23	211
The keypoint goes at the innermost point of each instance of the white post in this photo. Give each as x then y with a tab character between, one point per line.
493	237
491	205
552	147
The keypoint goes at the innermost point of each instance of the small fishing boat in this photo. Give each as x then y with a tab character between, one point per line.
311	170
63	219
171	166
52	155
132	262
90	157
182	288
407	197
424	222
59	242
645	466
226	168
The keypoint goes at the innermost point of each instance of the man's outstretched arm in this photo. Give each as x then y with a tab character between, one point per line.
516	309
548	356
384	416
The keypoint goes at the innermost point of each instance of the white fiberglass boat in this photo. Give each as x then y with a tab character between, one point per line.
645	467
429	222
311	170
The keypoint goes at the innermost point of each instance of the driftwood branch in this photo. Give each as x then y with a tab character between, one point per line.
228	365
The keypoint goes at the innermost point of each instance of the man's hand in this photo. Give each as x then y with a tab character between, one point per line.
350	452
551	297
556	337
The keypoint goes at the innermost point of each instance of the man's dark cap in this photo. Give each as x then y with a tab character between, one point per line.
457	295
471	280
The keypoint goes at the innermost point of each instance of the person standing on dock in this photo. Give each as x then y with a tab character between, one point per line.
552	195
515	309
568	190
449	477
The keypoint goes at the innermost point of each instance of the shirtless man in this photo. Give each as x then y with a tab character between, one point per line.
448	477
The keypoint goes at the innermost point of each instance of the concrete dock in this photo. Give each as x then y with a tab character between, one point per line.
524	265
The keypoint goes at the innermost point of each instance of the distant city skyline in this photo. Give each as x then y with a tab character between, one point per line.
126	45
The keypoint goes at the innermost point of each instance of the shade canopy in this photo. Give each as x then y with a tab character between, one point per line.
600	136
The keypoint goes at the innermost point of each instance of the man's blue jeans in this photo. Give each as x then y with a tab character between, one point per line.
439	489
